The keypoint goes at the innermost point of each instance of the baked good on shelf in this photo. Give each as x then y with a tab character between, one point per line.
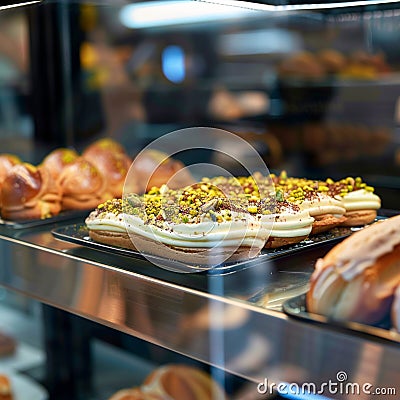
82	186
29	192
195	225
103	145
7	161
6	392
153	168
286	222
135	394
58	159
359	200
112	161
303	65
332	60
356	280
313	196
113	167
182	382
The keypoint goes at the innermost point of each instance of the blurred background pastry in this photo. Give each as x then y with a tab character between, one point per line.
58	159
182	382
153	168
135	394
82	186
29	192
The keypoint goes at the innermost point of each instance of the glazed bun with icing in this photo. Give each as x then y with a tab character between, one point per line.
29	192
110	158
59	159
82	185
152	168
356	280
134	394
182	382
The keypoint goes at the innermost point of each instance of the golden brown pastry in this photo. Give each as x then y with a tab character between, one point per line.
134	394
182	382
332	60
356	280
29	192
7	161
303	65
152	168
82	186
113	167
103	145
58	159
5	388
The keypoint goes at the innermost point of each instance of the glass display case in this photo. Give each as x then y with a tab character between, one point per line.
313	89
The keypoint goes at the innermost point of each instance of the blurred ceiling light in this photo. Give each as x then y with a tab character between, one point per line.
164	13
4	5
319	5
261	41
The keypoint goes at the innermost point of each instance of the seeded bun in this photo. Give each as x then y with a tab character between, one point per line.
357	279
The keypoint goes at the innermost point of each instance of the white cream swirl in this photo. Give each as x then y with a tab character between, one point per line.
361	200
241	231
322	204
288	223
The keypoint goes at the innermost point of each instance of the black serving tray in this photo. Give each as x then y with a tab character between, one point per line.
33	223
296	307
79	234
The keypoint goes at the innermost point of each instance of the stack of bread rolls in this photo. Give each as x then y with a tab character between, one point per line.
175	382
358	280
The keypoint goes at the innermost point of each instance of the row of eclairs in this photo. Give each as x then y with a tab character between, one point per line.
218	218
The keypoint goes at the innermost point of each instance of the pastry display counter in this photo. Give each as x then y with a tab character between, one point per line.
223	320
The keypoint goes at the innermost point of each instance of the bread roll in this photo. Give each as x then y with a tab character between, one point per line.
7	161
82	185
103	145
182	382
113	167
58	159
356	280
29	192
153	168
332	60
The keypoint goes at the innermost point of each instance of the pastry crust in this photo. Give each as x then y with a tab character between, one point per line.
193	256
274	242
324	223
357	278
178	381
359	217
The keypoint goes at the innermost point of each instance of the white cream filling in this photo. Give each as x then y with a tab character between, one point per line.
288	224
361	200
240	232
323	205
